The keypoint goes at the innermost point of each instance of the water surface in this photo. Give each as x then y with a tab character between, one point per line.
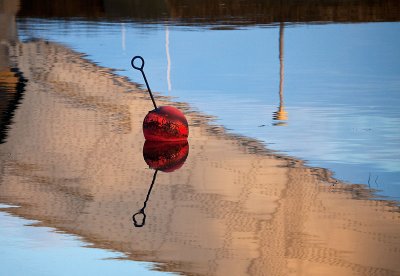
339	84
293	139
29	248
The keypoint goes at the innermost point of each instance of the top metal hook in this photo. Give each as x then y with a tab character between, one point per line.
140	68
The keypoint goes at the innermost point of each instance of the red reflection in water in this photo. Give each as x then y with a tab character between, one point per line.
165	156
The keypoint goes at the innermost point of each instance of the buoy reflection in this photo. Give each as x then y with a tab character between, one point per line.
165	156
160	156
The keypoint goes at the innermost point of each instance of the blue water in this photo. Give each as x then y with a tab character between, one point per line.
44	252
341	84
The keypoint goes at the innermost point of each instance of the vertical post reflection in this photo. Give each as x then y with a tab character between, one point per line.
123	38
281	115
168	58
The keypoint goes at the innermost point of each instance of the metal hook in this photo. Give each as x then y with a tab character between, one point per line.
143	220
133	63
140	68
141	211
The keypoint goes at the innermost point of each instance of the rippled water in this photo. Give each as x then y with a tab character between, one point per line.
340	84
293	160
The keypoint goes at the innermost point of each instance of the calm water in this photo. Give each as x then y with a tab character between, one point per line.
28	249
340	84
294	160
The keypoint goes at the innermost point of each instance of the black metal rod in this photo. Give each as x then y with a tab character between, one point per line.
151	188
141	211
144	77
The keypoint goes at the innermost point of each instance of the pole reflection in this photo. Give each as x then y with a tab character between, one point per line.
281	116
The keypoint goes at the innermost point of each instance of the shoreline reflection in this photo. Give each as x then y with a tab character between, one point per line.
211	13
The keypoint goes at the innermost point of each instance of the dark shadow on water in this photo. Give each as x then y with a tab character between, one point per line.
219	12
12	87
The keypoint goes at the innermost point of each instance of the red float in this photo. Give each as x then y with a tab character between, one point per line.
165	123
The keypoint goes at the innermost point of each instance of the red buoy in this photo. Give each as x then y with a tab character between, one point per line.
164	123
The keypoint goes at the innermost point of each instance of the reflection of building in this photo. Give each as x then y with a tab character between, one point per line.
74	162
